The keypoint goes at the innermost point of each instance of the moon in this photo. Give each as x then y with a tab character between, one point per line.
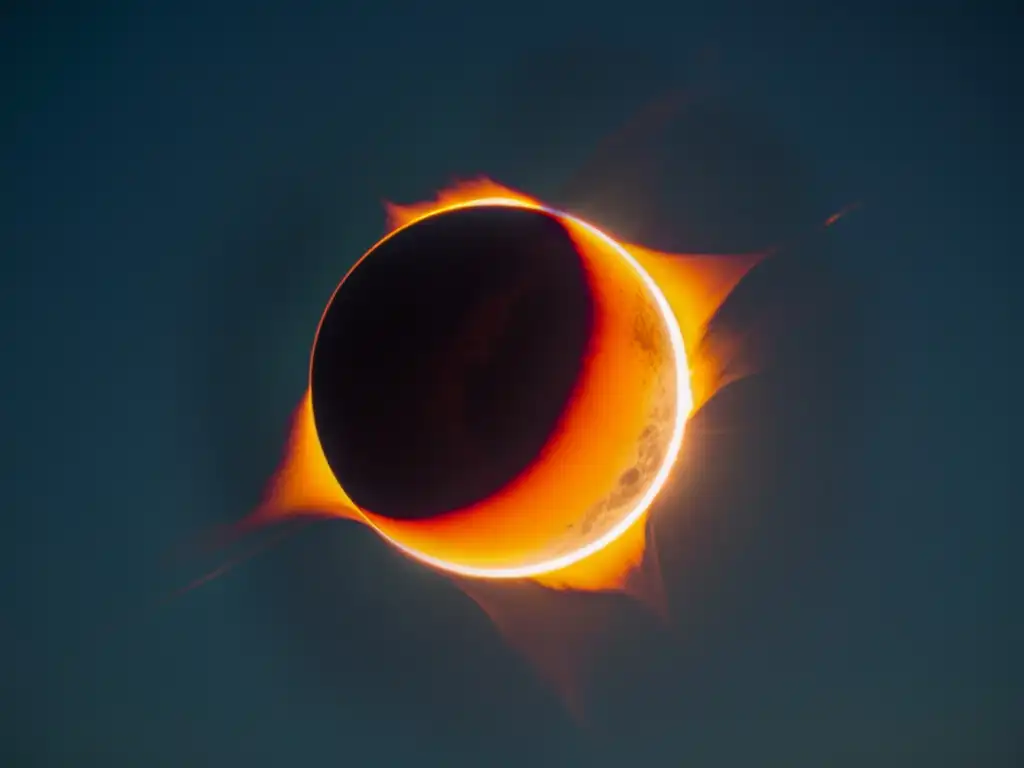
608	453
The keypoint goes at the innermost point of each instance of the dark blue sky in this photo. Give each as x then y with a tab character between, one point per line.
181	190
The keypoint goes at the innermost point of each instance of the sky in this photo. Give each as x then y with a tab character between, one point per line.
183	187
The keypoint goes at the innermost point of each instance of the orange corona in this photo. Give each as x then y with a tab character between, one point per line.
518	533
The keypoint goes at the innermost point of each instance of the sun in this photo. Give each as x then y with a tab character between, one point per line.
567	523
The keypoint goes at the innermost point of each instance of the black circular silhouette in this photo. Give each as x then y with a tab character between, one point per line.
447	357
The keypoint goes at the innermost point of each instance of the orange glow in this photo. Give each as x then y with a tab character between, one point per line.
304	483
526	530
695	286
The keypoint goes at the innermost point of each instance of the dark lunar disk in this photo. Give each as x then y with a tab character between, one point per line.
447	358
